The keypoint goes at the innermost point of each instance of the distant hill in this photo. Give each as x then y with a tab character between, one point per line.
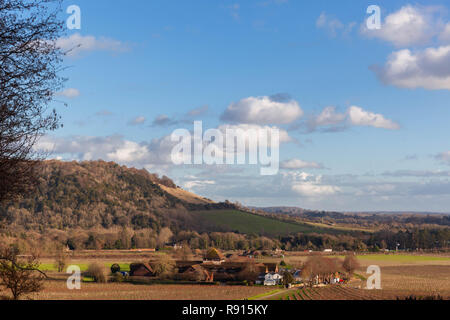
366	219
103	194
97	194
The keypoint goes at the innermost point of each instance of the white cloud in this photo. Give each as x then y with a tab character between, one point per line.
354	116
284	135
69	93
308	185
444	36
310	189
329	116
128	152
163	120
136	121
428	69
411	25
360	117
153	154
263	110
111	148
190	185
294	164
77	44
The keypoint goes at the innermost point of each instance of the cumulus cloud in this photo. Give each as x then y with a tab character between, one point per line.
163	120
360	117
332	120
69	93
111	148
444	36
262	110
149	154
195	184
247	128
428	69
137	121
308	185
295	164
329	117
77	44
411	25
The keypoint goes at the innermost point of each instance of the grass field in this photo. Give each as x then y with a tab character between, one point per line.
84	266
243	222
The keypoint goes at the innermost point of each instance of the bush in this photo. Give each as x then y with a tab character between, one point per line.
97	272
163	267
350	264
118	277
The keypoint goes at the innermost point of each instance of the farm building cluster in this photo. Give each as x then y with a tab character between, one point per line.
215	267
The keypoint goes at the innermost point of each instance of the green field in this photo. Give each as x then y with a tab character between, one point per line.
83	266
243	222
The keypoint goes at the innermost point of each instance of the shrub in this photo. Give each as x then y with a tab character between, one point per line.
97	272
60	260
350	264
163	267
118	277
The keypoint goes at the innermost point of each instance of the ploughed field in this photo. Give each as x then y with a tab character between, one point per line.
57	290
340	292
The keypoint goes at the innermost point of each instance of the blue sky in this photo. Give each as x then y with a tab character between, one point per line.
373	129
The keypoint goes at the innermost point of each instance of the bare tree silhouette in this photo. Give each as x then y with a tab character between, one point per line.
30	62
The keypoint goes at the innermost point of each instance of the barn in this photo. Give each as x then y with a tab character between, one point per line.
141	270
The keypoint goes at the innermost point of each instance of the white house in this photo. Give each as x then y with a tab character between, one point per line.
272	279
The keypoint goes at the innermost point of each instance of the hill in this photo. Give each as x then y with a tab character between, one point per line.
101	205
98	194
360	220
104	195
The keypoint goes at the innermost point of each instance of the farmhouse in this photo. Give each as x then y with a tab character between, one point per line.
269	279
214	256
